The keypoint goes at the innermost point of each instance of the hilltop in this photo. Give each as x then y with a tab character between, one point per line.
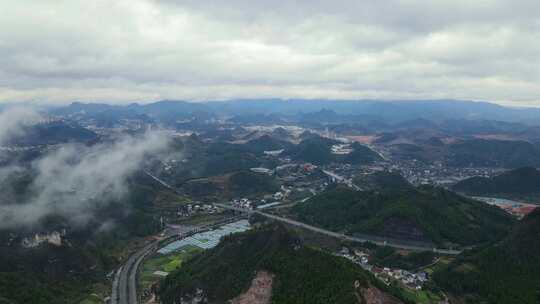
383	181
243	183
505	272
317	150
466	152
493	153
522	183
426	214
66	273
269	255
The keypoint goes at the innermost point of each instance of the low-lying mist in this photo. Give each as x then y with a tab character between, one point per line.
74	180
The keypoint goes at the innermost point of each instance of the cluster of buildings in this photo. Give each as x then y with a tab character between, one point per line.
387	275
341	149
243	203
191	209
409	279
436	173
268	201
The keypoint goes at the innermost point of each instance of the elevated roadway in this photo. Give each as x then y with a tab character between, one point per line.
340	235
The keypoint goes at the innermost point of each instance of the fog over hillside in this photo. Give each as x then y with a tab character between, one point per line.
13	119
75	179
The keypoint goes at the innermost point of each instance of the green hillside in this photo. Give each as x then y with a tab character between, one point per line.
266	143
426	214
360	155
473	153
314	150
54	133
317	150
493	153
523	182
301	274
383	180
243	183
68	273
505	272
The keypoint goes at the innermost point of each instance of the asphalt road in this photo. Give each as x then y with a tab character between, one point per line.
340	235
125	282
124	287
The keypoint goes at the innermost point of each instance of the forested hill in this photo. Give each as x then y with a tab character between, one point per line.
506	272
66	274
426	214
317	150
493	153
297	274
522	182
54	132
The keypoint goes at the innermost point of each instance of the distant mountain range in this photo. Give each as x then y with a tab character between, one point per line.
54	132
319	111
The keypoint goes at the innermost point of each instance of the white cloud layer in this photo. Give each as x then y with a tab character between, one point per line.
144	50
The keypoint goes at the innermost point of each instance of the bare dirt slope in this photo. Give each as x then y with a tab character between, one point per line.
259	292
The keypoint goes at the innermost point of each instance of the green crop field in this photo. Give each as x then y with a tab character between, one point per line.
165	263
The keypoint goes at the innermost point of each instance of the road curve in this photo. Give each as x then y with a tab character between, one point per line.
124	287
125	282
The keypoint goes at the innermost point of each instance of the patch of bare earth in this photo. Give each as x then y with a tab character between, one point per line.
373	295
259	292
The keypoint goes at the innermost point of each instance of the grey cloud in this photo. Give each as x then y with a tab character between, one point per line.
146	50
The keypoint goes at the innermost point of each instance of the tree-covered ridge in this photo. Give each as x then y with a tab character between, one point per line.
54	132
522	182
65	274
425	214
468	152
267	143
244	183
383	181
505	272
317	150
493	153
302	274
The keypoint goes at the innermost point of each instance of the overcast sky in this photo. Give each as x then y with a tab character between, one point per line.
137	50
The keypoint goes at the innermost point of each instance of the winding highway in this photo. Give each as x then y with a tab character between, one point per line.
124	286
125	282
340	235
